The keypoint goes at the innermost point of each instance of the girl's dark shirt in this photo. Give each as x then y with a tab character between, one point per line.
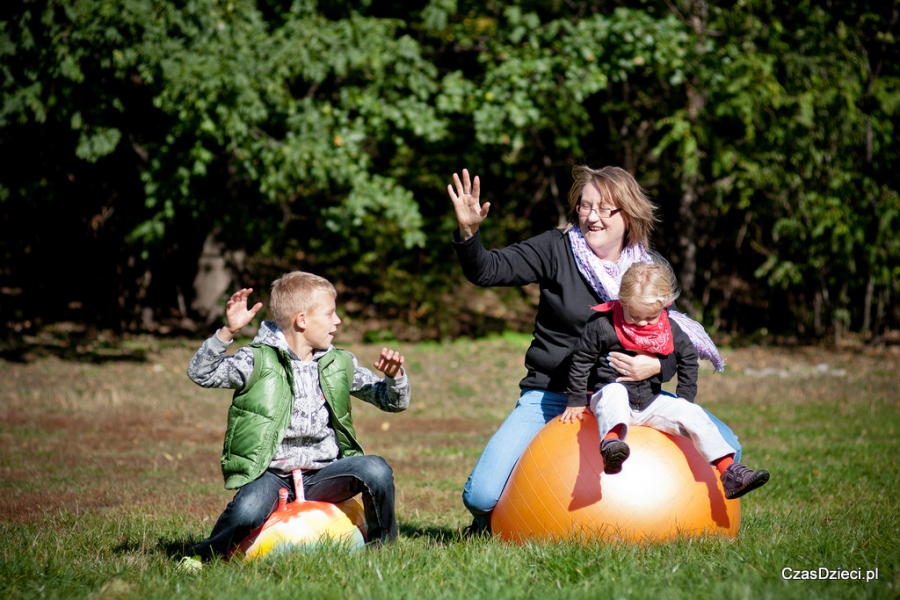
589	372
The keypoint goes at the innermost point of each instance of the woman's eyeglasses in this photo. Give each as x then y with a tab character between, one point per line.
604	213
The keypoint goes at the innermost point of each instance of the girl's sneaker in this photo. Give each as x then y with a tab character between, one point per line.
614	453
738	480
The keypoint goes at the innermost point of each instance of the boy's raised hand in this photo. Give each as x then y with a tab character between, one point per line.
237	314
390	362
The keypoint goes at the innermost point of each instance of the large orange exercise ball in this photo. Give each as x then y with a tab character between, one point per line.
666	490
303	524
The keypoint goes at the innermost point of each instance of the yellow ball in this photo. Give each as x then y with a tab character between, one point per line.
302	525
666	490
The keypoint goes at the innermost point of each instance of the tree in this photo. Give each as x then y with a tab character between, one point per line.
164	124
317	135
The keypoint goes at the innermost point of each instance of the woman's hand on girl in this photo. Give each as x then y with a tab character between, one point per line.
634	368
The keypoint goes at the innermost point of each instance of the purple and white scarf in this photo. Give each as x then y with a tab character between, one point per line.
605	277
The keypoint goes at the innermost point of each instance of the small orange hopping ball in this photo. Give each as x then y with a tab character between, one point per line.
666	490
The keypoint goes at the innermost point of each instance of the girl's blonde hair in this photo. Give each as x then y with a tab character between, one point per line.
295	292
619	188
649	284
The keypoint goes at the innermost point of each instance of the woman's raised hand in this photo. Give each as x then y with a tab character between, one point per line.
469	211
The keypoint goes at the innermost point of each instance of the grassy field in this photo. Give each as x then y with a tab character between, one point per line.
109	467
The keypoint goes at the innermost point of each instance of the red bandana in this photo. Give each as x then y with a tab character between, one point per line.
656	338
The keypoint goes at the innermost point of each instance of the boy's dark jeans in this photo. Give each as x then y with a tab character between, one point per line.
339	481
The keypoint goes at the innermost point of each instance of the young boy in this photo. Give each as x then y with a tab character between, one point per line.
638	322
291	410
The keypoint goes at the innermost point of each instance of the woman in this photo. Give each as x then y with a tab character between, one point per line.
576	267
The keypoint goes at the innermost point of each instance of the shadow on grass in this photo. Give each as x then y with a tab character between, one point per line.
171	548
181	547
82	343
177	548
437	534
30	353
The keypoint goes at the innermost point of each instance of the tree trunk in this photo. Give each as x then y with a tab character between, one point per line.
215	276
687	235
687	242
867	303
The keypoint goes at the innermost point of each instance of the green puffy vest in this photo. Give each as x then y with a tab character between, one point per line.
261	412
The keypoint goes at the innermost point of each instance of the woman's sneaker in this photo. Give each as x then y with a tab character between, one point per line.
614	453
738	480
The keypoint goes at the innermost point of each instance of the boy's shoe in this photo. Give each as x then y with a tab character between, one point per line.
614	452
738	480
190	564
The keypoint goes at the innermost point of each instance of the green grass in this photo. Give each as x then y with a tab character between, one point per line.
107	470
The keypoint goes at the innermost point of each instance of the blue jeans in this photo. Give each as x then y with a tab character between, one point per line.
534	409
339	481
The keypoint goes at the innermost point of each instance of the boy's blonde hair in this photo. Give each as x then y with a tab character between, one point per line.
293	293
649	284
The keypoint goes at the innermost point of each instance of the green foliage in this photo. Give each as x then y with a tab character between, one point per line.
790	149
537	75
312	135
